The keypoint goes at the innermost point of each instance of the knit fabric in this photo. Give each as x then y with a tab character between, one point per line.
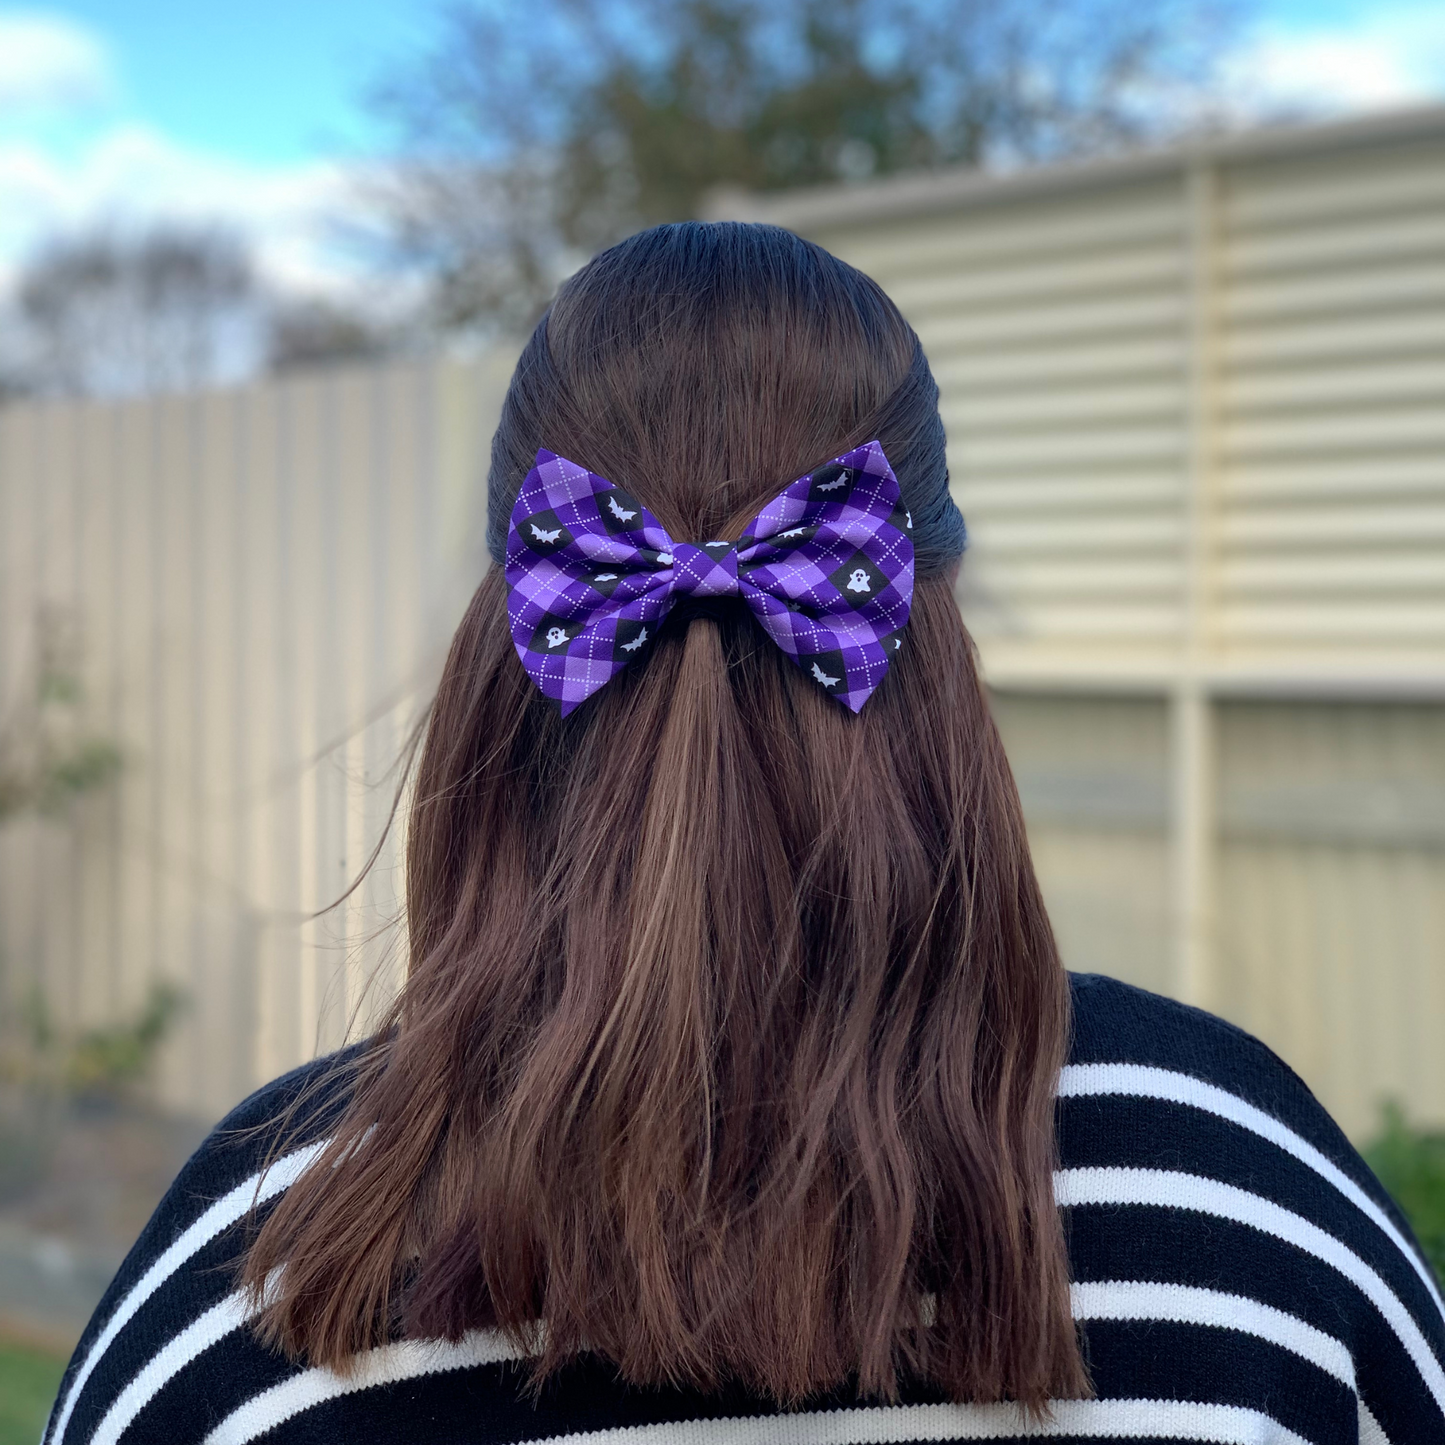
1239	1277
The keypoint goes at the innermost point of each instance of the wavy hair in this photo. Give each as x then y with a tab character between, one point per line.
732	1023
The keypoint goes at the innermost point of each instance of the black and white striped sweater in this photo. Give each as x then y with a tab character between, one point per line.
1240	1277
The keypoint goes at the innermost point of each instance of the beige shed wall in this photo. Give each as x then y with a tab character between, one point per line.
1197	411
1196	406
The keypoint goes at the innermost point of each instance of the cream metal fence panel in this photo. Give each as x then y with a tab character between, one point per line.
1196	404
1332	946
263	581
1093	777
1332	421
1054	327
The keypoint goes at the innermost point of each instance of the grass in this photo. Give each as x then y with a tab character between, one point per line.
29	1379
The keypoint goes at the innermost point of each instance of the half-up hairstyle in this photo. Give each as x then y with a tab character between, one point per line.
733	1020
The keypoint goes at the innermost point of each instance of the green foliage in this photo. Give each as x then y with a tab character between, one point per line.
525	148
29	1379
42	1066
25	1152
721	106
88	764
1410	1163
47	757
104	1062
44	1071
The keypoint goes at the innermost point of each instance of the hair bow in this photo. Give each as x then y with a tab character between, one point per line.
826	568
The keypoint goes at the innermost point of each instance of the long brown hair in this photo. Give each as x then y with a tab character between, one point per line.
733	1020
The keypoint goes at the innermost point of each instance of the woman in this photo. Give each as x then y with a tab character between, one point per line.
736	1091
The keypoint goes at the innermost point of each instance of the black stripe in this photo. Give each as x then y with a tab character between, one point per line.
1158	1360
1116	1023
1178	1246
1136	1133
198	1397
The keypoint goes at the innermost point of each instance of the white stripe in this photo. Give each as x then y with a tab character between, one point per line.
402	1361
1170	1190
165	1364
887	1424
1371	1431
1141	1081
1106	1300
1186	1305
220	1216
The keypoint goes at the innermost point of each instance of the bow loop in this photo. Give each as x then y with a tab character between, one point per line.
825	568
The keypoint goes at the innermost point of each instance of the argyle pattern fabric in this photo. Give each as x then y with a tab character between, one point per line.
826	569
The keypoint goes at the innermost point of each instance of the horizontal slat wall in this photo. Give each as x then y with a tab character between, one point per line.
1332	403
263	582
1093	777
1196	416
1086	381
1055	329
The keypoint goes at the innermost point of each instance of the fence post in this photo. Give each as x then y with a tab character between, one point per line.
1192	824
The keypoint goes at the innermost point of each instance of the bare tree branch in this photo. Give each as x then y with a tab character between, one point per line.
524	148
108	314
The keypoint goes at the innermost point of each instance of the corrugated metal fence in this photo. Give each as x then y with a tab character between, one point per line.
1196	404
262	583
1197	411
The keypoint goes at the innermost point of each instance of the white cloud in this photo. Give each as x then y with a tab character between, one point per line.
1387	55
131	175
71	157
51	63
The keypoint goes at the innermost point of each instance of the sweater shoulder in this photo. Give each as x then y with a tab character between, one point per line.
289	1112
1197	1059
1195	1164
1118	1023
182	1267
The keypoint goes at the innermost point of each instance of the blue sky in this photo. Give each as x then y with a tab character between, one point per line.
116	108
268	81
119	109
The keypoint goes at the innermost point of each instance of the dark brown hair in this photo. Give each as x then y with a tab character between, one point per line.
733	1020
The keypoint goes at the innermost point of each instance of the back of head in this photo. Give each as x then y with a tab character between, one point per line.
733	1019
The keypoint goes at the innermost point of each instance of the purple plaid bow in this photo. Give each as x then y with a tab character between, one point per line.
826	568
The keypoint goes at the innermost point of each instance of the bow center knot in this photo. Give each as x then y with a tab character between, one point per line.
707	571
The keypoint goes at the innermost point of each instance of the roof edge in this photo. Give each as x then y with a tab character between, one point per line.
920	193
